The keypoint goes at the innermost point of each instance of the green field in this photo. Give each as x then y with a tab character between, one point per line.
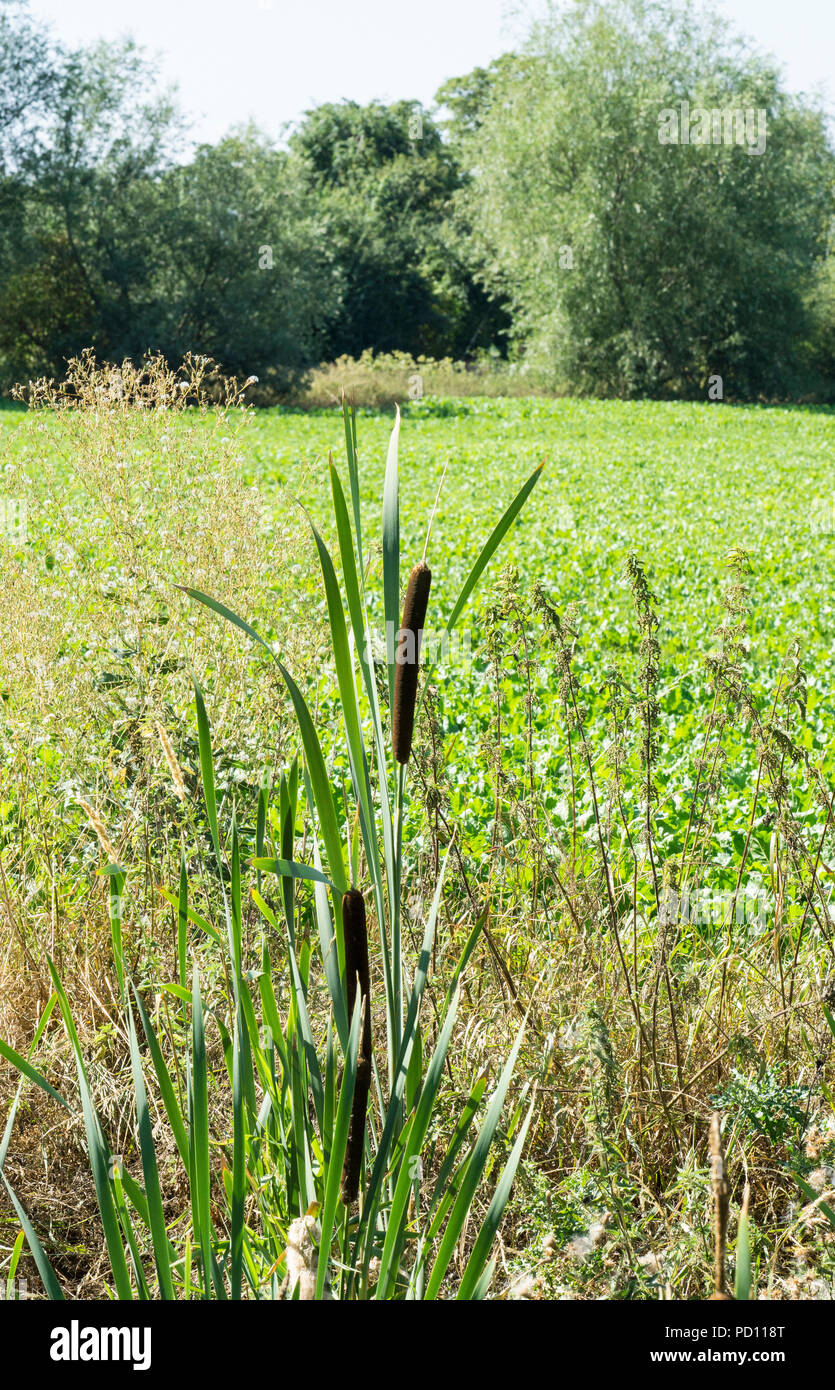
533	752
681	485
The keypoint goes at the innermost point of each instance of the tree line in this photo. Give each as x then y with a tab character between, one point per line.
631	200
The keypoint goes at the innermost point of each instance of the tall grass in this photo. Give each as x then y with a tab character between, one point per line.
269	1211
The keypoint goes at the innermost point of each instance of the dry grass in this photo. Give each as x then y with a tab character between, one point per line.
377	381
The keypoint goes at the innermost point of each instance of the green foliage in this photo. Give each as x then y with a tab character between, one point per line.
637	266
765	1105
384	179
536	203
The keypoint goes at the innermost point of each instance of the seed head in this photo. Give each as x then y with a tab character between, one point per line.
406	675
357	973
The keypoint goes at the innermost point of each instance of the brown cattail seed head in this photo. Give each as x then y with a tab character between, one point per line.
407	659
357	973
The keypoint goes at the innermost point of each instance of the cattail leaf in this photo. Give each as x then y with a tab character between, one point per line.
270	1008
472	1176
236	1233
341	1129
322	795
166	1086
207	770
289	869
469	946
413	1143
484	1240
463	1126
480	1291
31	1073
223	612
362	642
153	1191
287	823
306	1034
117	884
310	742
194	917
330	1093
14	1261
199	1135
414	1072
357	985
489	549
261	821
235	930
329	948
45	1270
742	1279
393	1120
391	548
349	417
182	921
98	1152
357	759
33	1047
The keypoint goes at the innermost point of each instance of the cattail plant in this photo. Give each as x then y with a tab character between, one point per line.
307	1155
357	974
406	675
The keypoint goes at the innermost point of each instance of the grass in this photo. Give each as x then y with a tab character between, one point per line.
635	755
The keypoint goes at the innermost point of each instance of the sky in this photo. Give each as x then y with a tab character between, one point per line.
269	60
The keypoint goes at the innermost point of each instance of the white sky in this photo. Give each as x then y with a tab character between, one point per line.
268	60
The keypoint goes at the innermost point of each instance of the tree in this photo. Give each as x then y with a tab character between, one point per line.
106	242
76	251
385	180
245	272
638	264
28	79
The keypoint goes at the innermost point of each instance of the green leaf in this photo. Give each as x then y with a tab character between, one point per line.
166	1086
200	1168
98	1152
182	921
156	1216
236	1237
413	1145
742	1280
488	550
336	1159
26	1069
207	770
472	1177
471	1286
391	550
288	868
45	1270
